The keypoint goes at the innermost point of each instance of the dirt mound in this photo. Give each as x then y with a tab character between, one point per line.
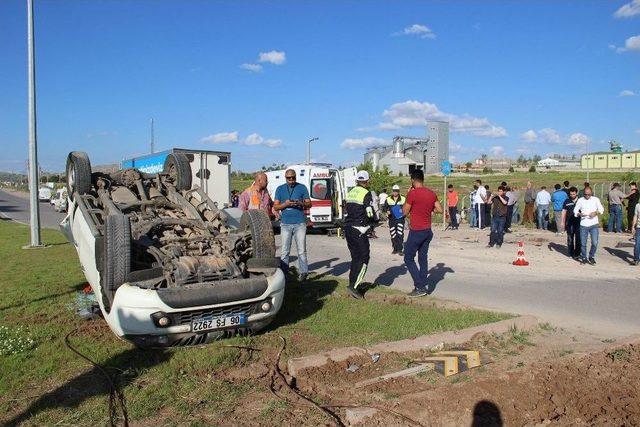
595	389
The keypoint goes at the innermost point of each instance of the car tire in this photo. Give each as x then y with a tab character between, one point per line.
78	173
117	254
262	240
178	167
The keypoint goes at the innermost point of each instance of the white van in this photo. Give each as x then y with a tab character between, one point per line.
328	187
44	194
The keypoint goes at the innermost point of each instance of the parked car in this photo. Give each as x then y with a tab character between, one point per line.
44	194
59	200
167	266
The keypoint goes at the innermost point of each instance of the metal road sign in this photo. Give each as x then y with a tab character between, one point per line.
445	167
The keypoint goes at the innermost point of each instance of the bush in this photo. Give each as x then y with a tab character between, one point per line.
532	169
511	170
487	169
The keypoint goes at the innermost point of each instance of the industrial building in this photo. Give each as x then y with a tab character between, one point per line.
409	153
609	160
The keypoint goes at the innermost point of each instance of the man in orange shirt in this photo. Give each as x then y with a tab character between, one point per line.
452	204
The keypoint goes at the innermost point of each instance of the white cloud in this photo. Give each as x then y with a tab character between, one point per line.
529	136
578	139
418	30
551	136
255	139
221	138
497	151
628	10
632	43
370	141
274	57
254	68
626	92
416	114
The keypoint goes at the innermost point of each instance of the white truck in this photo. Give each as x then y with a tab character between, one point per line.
328	187
167	266
44	194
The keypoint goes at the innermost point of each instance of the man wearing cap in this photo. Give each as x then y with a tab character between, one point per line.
393	205
359	220
420	204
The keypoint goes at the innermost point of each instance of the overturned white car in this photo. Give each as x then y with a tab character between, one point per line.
167	266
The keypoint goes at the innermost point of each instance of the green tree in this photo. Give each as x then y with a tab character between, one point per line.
468	166
532	169
511	170
379	179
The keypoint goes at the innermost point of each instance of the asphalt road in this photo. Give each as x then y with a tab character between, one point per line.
602	299
15	205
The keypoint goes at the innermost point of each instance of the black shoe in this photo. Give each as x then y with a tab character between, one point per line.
636	262
592	261
417	293
582	260
354	292
498	246
490	245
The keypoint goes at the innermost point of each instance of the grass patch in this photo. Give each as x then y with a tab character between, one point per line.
565	352
45	383
548	327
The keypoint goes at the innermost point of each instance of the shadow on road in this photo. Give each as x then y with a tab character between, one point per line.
390	275
623	255
561	249
436	275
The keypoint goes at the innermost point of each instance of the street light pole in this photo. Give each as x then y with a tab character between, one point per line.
588	160
309	148
33	144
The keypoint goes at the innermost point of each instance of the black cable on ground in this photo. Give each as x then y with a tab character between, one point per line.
115	396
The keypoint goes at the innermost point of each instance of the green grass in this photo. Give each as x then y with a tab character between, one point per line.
45	383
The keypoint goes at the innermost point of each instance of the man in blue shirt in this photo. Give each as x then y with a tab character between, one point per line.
291	199
557	198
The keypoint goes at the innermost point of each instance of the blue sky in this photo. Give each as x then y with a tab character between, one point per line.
260	78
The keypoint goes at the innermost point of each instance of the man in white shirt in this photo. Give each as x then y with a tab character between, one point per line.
543	198
480	199
588	208
382	199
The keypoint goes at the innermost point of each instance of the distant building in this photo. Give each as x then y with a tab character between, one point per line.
548	163
609	160
409	153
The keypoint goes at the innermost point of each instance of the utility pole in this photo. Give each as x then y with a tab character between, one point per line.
309	148
34	182
588	160
153	141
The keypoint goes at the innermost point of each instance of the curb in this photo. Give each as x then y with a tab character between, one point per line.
298	364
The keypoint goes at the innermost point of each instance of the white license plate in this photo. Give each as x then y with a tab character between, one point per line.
201	325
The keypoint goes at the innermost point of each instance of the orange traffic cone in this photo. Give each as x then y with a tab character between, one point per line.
520	259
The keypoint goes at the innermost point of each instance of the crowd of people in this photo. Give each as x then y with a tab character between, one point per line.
567	209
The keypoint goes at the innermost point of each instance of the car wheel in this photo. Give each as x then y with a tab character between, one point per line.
78	173
178	167
262	240
117	254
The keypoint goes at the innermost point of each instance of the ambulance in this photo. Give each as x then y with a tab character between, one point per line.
328	187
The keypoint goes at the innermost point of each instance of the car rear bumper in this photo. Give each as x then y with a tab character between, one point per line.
130	316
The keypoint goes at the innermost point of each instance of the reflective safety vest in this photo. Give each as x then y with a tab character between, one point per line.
395	206
359	207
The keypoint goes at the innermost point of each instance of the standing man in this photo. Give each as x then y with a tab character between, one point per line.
257	196
473	221
479	200
543	198
558	198
633	197
581	192
588	208
529	201
487	207
512	196
291	199
393	207
235	199
421	203
359	220
572	224
636	226
566	187
615	209
452	204
382	200
500	204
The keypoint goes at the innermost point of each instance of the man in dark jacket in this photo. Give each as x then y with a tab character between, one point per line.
393	205
499	202
359	221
